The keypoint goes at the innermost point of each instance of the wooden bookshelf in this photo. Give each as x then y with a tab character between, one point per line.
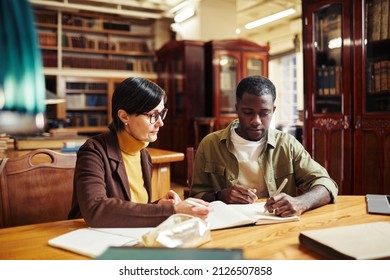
85	54
95	41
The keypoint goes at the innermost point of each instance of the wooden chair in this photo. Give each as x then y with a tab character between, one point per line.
190	156
207	123
36	187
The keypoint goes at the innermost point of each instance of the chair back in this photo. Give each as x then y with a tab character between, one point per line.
207	123
190	156
36	187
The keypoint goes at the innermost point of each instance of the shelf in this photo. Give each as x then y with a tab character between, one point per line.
81	37
112	52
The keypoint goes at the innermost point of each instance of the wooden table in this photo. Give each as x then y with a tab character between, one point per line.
272	242
161	159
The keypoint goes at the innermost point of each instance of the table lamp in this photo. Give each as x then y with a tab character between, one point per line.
22	83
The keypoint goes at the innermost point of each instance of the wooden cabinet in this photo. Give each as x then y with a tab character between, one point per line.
347	93
181	75
227	62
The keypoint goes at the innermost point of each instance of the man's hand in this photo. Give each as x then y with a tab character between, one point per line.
285	205
238	194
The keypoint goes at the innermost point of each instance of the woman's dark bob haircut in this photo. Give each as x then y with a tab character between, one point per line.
135	96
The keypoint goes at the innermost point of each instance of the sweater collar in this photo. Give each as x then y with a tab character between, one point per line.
128	144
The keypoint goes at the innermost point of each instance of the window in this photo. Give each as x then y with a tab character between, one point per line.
284	73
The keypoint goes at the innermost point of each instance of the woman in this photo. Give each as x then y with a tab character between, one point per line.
112	183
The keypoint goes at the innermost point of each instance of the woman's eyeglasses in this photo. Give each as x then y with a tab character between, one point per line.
153	118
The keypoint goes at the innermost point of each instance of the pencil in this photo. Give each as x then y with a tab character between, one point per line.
281	187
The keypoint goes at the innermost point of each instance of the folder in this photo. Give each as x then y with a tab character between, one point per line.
361	241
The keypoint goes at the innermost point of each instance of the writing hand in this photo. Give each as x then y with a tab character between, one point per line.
283	205
238	194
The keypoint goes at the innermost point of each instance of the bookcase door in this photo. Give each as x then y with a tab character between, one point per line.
328	96
228	74
372	102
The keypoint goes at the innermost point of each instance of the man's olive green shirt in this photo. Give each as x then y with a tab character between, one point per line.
216	166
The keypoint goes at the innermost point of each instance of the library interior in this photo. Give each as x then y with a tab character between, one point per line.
63	59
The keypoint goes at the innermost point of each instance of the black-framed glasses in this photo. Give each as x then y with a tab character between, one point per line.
153	118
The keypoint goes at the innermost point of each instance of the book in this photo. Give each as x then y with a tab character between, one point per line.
46	142
361	241
92	242
154	253
234	215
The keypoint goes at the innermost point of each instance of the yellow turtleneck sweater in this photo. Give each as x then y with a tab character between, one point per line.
131	153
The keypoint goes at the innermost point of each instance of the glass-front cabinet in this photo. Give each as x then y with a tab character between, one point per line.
372	104
227	62
346	124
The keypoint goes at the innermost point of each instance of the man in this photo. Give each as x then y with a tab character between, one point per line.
248	160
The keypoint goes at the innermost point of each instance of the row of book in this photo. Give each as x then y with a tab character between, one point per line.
47	39
94	43
378	21
378	77
86	86
49	59
139	65
94	23
46	17
81	101
87	119
91	43
329	80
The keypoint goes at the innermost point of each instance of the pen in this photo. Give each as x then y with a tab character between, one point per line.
194	203
281	187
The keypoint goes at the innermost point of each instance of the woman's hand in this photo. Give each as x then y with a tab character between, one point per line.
170	198
201	210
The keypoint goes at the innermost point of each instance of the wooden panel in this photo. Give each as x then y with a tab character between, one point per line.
319	146
335	165
386	167
374	164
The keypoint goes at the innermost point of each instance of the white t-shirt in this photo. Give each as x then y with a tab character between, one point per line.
250	174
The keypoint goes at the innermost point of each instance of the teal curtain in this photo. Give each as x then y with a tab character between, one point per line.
22	83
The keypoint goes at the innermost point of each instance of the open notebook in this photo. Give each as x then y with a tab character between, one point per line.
92	242
233	215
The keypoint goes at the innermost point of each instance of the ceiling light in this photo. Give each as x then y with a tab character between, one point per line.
184	14
178	7
335	43
269	19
